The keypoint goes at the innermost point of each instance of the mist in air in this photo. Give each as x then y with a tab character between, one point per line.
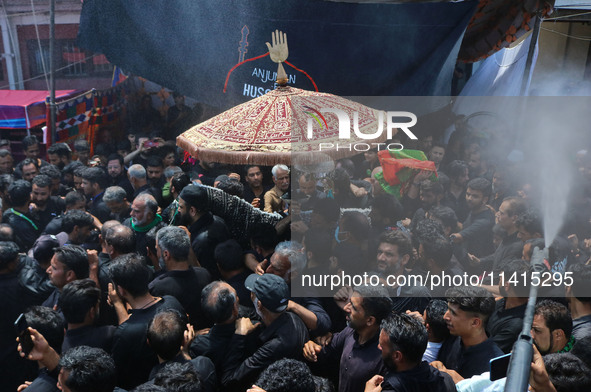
553	130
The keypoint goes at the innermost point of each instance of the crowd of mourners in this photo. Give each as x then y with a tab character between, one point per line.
137	269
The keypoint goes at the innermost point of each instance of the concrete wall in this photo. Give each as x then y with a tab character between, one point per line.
562	60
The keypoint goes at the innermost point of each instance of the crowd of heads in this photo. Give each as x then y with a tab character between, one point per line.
150	218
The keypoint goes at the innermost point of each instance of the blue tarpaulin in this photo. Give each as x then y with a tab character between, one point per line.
214	50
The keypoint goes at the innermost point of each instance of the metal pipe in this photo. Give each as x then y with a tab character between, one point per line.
8	55
522	354
52	114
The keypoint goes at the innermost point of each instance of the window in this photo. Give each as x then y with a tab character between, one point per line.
70	61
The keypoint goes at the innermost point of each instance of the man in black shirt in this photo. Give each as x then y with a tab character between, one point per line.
80	302
393	256
50	324
137	177
403	340
119	240
68	264
59	154
14	369
511	246
118	174
220	305
552	327
179	117
57	188
18	216
356	347
180	279
283	337
228	257
143	218
207	230
87	368
32	270
506	321
73	201
307	194
77	225
132	355
579	302
254	188
46	207
476	234
6	162
116	200
288	262
455	197
166	337
94	182
31	149
468	311
155	172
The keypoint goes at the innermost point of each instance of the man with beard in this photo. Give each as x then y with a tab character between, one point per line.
82	149
501	186
436	154
476	234
511	246
273	200
116	200
403	340
393	257
77	225
179	279
430	195
31	149
69	263
59	155
118	174
94	182
288	262
143	217
73	201
80	302
307	195
27	169
552	328
129	288
57	188
455	198
434	254
19	218
207	230
46	207
254	189
6	162
155	170
356	347
205	172
506	322
578	302
137	178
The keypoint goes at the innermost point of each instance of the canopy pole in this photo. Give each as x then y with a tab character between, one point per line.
52	114
530	54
